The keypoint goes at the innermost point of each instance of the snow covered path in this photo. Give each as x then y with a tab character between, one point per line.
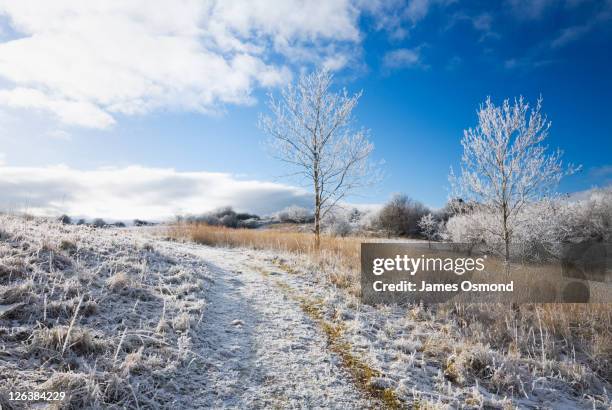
262	350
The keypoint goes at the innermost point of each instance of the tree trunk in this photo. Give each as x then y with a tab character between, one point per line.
507	251
506	233
506	238
317	227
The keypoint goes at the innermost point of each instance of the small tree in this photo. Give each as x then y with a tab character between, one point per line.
400	216
505	165
310	129
429	227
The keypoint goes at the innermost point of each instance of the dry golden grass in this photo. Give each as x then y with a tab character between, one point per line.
347	249
338	258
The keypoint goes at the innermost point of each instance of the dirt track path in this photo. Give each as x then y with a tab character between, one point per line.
262	350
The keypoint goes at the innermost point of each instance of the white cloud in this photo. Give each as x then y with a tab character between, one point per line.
526	63
572	33
68	111
417	9
602	171
398	16
529	9
568	35
482	22
402	58
87	61
137	192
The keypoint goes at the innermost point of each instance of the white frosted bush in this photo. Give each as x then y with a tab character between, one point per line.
294	214
541	228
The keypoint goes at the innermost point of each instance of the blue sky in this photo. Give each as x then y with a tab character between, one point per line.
181	88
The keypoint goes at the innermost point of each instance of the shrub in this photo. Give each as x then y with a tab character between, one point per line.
65	219
340	227
99	223
344	222
244	216
454	206
225	216
294	214
400	216
140	222
464	229
429	227
229	220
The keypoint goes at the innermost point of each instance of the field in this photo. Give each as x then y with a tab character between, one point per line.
203	317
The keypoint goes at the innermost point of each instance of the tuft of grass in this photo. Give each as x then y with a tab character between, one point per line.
12	269
133	363
5	403
118	282
4	236
62	338
68	246
182	322
83	390
20	293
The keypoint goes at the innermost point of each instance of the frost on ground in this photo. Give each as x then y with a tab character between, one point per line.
418	358
117	319
261	350
97	314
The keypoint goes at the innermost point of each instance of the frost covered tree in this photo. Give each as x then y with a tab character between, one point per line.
310	128
505	164
428	226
